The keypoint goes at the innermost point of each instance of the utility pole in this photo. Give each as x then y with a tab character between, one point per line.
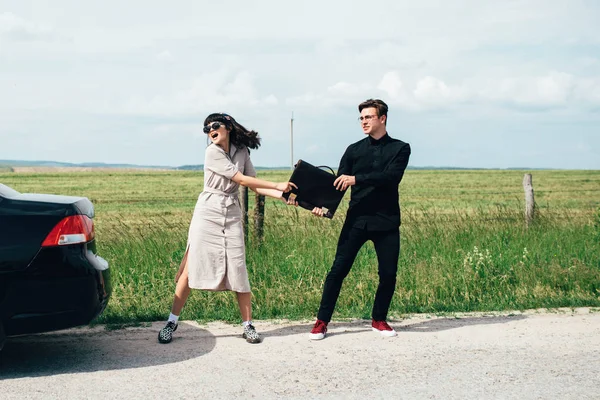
292	139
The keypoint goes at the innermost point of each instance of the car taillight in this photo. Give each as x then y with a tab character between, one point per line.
71	230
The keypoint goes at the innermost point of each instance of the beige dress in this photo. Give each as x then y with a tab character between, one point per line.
216	249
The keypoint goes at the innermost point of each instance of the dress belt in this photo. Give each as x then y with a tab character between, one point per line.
230	198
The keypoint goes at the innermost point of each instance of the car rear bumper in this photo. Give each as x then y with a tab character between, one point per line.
45	298
2	336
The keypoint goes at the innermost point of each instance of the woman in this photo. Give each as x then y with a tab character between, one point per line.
215	257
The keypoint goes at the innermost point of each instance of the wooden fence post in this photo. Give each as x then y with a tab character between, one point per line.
244	204
259	217
529	199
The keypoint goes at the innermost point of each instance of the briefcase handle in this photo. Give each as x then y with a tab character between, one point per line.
325	166
318	166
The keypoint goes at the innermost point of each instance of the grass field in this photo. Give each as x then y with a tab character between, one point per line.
464	244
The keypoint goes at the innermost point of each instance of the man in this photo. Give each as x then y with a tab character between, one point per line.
373	167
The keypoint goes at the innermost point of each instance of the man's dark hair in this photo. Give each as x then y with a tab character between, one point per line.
377	104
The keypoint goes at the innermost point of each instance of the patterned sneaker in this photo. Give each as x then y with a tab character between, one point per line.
383	328
166	334
250	334
319	330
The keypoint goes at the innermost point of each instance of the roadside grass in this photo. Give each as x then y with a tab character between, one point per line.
464	245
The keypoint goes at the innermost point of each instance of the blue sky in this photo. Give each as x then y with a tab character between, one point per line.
469	83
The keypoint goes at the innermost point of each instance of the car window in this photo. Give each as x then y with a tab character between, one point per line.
5	191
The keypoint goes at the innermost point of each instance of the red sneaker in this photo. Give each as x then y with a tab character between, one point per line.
319	330
383	328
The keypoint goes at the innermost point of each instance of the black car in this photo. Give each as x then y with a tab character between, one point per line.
50	275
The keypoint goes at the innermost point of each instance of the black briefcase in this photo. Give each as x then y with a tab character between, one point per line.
315	188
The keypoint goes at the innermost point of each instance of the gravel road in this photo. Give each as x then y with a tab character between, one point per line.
536	354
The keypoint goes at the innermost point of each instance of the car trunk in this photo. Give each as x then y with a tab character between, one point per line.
26	220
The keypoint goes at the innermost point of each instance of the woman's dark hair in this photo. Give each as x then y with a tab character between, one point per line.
238	135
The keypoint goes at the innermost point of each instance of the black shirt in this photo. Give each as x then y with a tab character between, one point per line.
378	167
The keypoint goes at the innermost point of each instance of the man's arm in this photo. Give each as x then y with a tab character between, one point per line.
345	167
344	180
392	174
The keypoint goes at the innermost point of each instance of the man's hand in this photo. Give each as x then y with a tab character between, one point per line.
342	182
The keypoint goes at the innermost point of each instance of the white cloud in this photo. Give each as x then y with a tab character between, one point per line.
426	93
340	93
433	91
331	45
270	100
392	85
217	90
346	89
551	90
18	29
241	89
587	90
397	92
164	56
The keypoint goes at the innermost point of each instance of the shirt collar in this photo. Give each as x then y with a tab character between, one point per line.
232	149
383	140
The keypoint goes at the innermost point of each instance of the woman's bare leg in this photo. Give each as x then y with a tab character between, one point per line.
182	290
245	303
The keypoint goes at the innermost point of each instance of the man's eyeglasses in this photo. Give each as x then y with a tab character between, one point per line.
367	118
212	127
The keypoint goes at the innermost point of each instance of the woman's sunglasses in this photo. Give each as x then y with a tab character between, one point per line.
213	127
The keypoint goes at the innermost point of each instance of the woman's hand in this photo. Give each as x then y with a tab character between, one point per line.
285	186
291	201
317	211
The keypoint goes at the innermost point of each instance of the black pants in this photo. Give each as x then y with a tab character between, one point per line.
387	247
